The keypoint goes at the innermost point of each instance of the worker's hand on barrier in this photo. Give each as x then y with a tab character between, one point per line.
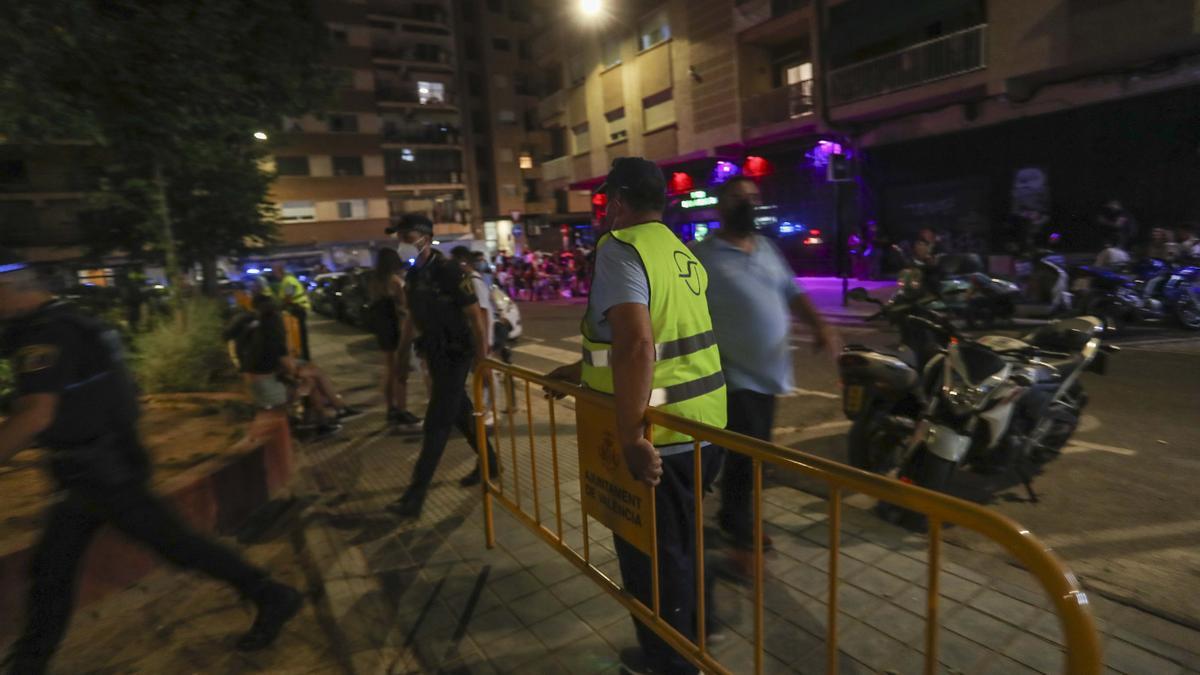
644	462
569	374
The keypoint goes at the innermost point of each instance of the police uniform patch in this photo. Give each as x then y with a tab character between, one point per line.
34	358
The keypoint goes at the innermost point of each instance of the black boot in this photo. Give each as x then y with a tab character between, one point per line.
409	506
277	603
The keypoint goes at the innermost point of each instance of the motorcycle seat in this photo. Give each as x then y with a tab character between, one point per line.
903	353
1068	335
1060	368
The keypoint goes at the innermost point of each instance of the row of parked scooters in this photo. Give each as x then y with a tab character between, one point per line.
942	399
1148	291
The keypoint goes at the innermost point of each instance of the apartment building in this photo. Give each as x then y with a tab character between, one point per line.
955	113
41	191
392	143
508	146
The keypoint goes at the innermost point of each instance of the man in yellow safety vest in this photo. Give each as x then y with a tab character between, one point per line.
291	294
648	341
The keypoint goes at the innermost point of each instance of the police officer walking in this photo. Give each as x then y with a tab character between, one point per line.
290	293
448	328
76	398
648	341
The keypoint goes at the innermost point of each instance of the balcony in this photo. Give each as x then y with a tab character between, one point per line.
750	13
425	135
938	59
410	96
557	168
778	105
551	106
387	50
428	13
402	178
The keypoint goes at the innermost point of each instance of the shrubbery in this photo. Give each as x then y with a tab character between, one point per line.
184	353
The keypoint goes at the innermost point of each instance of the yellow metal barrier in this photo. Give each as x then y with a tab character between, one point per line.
1083	655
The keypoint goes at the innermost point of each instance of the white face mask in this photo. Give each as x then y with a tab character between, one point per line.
409	252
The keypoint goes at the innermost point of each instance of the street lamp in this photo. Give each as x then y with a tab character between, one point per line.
590	8
260	135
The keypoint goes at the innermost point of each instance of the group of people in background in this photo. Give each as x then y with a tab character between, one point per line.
544	276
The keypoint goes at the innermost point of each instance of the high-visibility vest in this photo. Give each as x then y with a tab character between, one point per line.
687	365
299	294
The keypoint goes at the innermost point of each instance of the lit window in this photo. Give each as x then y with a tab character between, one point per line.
526	160
352	209
296	211
407	155
654	29
431	92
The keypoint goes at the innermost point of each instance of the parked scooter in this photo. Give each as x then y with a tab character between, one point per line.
1154	292
996	403
958	286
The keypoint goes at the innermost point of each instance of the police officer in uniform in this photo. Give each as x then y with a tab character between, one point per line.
449	331
76	399
648	341
293	297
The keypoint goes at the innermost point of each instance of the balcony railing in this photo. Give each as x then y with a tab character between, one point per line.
428	13
431	135
778	105
557	168
552	105
386	49
424	177
937	59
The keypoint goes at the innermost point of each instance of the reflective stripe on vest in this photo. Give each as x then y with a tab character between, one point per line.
662	350
687	365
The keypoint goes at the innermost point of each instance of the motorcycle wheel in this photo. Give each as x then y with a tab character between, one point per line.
1188	310
871	442
934	472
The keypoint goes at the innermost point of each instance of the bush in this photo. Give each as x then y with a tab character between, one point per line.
184	353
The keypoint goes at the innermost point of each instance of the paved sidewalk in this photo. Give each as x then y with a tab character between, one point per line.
427	596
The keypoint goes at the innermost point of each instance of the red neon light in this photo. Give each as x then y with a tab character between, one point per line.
599	199
680	182
815	233
756	167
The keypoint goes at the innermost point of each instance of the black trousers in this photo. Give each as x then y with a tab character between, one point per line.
449	406
751	414
675	510
138	514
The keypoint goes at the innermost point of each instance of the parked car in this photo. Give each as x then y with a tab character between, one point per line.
356	298
326	294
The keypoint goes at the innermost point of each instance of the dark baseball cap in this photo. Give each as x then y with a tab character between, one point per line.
415	222
635	174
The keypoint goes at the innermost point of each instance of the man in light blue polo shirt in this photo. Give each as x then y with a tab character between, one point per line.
752	296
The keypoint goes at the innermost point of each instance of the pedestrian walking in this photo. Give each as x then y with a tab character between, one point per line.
387	311
447	327
753	296
292	296
648	340
77	399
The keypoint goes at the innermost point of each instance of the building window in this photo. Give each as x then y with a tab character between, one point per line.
347	166
610	51
431	92
654	29
296	211
658	110
581	139
343	123
507	117
291	166
525	161
531	190
352	209
339	35
407	155
501	44
617	125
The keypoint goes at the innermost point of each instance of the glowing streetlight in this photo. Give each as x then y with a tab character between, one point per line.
590	8
260	135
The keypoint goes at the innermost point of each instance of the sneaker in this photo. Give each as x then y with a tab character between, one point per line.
634	662
407	420
410	504
348	412
277	604
328	429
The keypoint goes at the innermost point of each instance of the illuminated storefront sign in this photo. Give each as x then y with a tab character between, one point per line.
698	199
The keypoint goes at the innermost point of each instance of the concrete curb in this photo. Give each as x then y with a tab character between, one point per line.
215	496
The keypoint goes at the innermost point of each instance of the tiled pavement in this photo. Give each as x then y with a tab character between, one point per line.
427	596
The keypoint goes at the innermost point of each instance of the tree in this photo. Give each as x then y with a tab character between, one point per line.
172	90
